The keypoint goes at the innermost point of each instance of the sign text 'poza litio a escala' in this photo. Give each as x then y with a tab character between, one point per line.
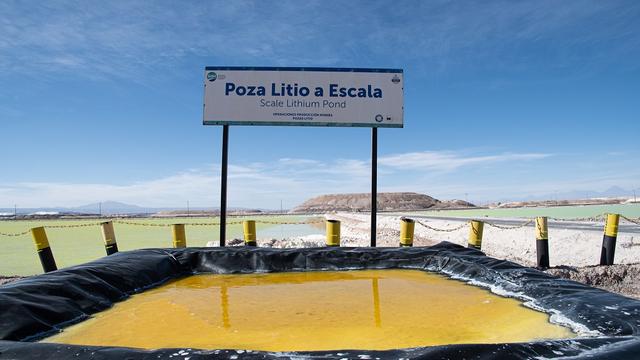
303	96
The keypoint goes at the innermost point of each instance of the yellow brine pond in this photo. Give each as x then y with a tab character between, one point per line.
323	310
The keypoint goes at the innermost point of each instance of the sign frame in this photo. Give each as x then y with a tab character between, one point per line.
302	69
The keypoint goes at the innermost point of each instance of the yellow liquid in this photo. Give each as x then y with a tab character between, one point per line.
369	309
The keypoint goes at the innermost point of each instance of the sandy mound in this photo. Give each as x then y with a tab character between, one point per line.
386	202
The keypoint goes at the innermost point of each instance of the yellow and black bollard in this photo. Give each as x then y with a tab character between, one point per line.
249	232
43	248
109	237
542	242
475	234
609	239
333	232
179	236
406	232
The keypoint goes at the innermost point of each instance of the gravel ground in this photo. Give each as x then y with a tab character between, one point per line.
578	248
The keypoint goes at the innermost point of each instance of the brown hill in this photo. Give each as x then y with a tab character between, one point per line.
386	202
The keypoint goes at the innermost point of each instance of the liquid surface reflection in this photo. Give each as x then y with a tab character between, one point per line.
368	309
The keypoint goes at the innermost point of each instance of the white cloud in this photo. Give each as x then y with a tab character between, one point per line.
298	162
159	192
260	185
449	161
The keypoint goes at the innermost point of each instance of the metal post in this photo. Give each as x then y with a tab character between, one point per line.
44	250
542	242
249	227
608	251
333	232
407	227
374	183
179	236
109	237
223	184
475	234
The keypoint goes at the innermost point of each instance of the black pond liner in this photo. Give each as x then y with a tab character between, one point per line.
39	306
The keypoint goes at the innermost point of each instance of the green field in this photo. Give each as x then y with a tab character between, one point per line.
561	212
72	246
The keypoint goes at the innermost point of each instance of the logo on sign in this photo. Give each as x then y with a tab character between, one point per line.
395	79
212	76
379	118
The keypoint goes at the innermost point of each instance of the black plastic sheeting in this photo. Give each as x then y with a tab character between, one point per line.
39	306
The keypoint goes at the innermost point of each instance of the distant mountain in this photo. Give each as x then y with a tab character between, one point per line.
109	207
614	191
113	207
23	211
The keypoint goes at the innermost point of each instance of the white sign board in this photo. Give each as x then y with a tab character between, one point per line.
303	96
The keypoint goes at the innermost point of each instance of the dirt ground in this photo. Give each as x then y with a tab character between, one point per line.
8	279
623	279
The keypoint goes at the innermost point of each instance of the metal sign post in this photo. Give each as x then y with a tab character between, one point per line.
302	97
374	184
223	185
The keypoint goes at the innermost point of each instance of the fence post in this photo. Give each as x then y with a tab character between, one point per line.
249	232
333	232
407	227
609	239
542	242
44	250
179	237
475	234
109	237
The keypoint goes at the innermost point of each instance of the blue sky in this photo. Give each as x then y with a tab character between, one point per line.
503	99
